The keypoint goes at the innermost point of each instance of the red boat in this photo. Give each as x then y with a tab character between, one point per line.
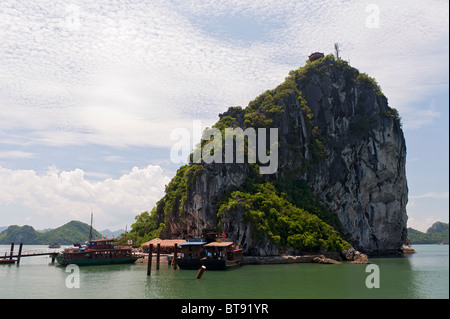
97	252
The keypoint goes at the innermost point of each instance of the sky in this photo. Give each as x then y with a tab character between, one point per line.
90	92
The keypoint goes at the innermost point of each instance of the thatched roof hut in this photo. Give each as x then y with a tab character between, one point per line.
165	244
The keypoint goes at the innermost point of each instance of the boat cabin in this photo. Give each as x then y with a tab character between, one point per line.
101	244
221	250
192	250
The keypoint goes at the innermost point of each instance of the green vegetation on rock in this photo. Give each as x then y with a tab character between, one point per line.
271	214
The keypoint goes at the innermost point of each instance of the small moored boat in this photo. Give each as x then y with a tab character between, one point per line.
221	256
191	253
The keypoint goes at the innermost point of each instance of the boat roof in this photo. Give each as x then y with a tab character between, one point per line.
102	240
193	243
219	244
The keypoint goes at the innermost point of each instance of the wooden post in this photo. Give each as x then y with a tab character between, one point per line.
20	253
158	250
12	251
175	254
200	272
150	255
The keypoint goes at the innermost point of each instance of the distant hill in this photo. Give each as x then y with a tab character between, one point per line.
72	232
436	234
109	233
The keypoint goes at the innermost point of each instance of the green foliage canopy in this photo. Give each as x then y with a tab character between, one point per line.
271	214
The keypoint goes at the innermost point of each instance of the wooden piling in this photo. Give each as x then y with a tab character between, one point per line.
175	254
149	263
158	250
12	251
20	253
200	272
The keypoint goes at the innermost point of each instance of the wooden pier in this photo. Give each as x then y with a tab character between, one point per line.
172	261
12	257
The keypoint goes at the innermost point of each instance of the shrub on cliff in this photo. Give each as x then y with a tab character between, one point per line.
271	214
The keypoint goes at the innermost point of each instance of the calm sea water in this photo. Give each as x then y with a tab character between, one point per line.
422	275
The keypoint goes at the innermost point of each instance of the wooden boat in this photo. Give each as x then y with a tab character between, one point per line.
191	253
97	252
54	245
221	256
7	261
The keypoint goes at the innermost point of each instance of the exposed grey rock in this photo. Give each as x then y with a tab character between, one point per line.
324	260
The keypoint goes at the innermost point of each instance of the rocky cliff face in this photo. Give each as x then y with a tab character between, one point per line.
337	133
363	178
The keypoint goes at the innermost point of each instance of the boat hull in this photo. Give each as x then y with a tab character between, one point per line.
215	264
190	264
93	262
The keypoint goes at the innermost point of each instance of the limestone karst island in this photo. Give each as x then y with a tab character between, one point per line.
339	187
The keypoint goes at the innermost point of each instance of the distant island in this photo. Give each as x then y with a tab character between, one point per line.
436	234
72	232
109	233
337	180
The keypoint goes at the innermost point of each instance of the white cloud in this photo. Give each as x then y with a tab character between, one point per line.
15	154
124	69
59	195
128	65
434	195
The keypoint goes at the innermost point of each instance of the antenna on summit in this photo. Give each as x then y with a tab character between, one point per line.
90	230
336	50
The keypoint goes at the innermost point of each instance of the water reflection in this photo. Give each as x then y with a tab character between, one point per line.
422	275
